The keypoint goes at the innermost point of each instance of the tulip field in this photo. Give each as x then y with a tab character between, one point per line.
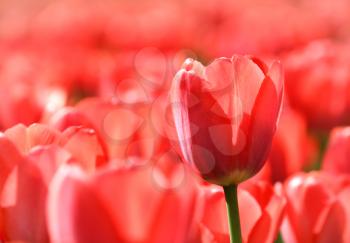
174	121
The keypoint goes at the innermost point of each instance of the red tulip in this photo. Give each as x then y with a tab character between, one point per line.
225	115
119	205
317	210
261	209
337	155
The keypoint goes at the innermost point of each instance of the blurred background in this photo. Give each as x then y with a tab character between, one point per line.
54	54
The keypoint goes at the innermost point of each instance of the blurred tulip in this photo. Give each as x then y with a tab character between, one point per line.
336	158
24	89
67	117
317	209
292	148
23	190
118	205
261	209
225	115
23	204
128	130
318	82
73	139
33	102
34	154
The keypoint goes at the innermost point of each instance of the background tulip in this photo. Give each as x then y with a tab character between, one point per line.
119	205
317	208
33	155
317	82
261	211
336	158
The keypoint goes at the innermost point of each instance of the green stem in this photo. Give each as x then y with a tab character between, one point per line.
279	238
233	213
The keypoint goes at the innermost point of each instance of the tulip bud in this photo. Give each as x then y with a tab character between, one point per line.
225	115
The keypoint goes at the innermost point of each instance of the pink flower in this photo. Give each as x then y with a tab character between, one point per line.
118	205
30	158
317	209
261	209
317	82
336	158
225	115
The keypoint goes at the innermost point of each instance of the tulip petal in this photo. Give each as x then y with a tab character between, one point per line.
338	151
276	75
249	78
215	214
9	158
219	75
331	225
75	213
250	213
83	143
261	229
25	138
263	124
161	206
178	100
48	159
344	196
25	219
67	117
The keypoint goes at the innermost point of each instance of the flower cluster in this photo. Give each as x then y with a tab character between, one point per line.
144	121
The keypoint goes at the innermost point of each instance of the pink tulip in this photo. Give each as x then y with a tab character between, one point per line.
317	209
128	130
261	209
30	159
225	115
317	82
118	205
336	158
23	190
73	139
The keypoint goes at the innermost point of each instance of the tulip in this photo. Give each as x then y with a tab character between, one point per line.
23	189
73	139
119	205
30	157
261	211
317	208
225	117
317	82
34	102
128	130
336	159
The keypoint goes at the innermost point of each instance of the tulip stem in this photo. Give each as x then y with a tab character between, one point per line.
279	238
233	213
